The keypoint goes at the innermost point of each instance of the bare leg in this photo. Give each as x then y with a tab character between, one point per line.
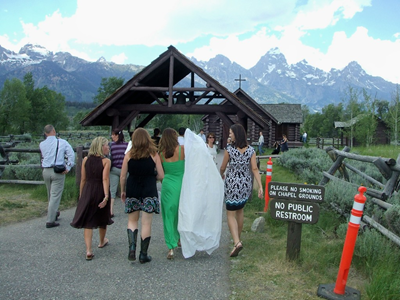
133	220
102	235
112	206
146	225
88	234
233	225
239	219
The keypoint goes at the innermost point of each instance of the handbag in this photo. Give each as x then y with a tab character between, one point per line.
58	168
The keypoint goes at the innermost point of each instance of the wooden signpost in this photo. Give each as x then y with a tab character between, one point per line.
297	204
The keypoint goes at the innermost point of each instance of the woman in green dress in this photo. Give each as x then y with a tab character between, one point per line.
173	162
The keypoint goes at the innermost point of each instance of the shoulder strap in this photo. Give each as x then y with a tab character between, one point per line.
55	159
179	157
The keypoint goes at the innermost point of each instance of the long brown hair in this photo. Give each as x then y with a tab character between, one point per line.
168	142
240	136
142	144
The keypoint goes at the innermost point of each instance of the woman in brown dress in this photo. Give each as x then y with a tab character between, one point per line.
93	210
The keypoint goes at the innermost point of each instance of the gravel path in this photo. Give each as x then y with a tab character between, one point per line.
41	263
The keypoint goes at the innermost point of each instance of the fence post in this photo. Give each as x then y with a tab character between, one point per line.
347	254
268	180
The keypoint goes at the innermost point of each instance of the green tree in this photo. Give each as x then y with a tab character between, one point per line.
353	109
365	127
107	87
393	117
14	108
382	109
78	118
55	113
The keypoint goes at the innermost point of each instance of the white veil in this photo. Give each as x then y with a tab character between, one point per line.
201	201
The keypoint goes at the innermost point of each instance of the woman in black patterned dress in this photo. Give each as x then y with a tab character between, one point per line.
238	181
139	192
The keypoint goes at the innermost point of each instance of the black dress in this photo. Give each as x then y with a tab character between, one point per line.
88	214
141	186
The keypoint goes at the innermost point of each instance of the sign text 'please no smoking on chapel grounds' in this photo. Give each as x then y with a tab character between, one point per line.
295	202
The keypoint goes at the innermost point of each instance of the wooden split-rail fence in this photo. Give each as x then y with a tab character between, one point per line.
7	148
388	167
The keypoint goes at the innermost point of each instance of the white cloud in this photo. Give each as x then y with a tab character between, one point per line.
241	30
119	59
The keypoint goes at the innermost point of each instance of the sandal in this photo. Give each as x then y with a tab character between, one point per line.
170	255
236	249
89	256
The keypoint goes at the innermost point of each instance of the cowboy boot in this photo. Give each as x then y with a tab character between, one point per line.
132	239
143	257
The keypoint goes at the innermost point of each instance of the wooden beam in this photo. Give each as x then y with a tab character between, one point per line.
128	119
174	89
146	120
171	81
179	109
190	103
228	122
156	98
112	112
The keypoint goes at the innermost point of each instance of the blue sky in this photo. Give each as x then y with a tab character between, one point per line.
326	33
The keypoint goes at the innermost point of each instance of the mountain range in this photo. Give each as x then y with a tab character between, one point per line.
271	80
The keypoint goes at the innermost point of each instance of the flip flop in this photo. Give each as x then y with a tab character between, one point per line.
105	244
89	256
237	248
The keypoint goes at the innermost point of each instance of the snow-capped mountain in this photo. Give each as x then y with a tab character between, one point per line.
271	80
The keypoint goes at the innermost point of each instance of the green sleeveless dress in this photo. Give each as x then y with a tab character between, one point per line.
170	194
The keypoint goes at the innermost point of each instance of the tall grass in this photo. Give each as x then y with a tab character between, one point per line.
375	264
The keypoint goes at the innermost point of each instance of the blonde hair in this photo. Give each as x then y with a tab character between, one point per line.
142	144
168	142
96	148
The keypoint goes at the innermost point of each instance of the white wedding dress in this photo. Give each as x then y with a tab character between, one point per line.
201	201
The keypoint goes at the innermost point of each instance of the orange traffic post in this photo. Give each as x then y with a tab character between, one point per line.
268	180
340	290
350	241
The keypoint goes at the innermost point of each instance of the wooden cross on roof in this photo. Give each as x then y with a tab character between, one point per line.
240	80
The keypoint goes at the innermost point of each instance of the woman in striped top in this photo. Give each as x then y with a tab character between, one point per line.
118	146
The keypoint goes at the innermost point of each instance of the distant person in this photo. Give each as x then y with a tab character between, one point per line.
238	182
155	137
118	147
139	191
53	152
260	143
181	136
211	147
93	209
277	148
173	161
202	135
305	137
284	143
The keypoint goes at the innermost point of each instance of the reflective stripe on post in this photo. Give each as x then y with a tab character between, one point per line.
268	180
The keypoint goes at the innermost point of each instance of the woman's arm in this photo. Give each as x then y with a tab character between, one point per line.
83	176
122	178
106	181
182	152
256	173
159	168
224	164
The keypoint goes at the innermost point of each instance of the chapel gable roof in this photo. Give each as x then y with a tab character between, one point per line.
285	113
155	90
